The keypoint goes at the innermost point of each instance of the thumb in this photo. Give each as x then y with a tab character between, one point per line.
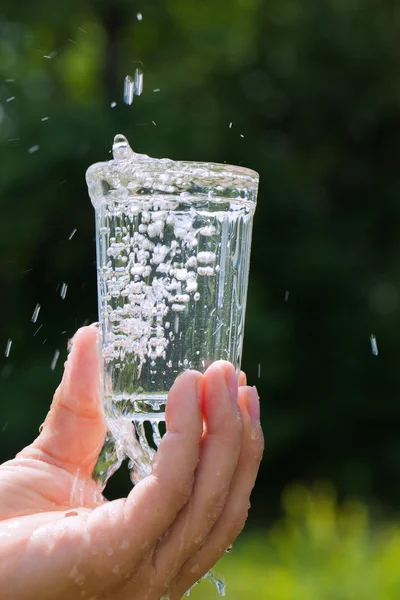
74	430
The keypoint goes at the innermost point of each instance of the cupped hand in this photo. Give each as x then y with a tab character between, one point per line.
61	540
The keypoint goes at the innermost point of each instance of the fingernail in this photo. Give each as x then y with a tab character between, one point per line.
232	383
253	405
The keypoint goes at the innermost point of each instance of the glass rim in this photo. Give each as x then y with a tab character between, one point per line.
132	172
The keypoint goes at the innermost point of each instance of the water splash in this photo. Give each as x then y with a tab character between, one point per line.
214	579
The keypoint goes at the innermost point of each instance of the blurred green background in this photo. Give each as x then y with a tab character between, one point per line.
312	89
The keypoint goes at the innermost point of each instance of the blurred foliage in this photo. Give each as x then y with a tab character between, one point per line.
319	550
314	88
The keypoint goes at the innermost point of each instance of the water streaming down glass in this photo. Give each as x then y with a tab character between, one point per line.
173	251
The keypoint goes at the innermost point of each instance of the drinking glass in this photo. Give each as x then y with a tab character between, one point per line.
173	253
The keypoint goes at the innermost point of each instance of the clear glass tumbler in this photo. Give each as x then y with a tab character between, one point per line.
173	252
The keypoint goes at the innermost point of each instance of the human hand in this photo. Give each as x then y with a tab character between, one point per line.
61	540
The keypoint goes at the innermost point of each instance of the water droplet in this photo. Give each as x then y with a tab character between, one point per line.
138	82
259	370
241	135
230	125
110	551
121	148
374	345
33	149
44	119
196	296
116	569
55	359
113	104
36	313
286	295
129	89
8	348
10	99
64	289
229	548
71	235
139	16
157	90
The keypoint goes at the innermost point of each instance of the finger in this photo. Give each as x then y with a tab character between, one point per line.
219	454
154	503
242	378
74	430
235	512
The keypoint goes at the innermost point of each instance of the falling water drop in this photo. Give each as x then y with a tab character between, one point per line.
129	86
64	289
35	313
374	345
138	82
55	359
8	348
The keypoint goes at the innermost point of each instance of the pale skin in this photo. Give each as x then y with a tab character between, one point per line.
61	540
